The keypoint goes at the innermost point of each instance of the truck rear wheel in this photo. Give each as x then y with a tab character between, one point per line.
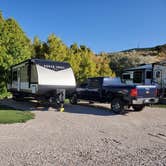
138	107
117	106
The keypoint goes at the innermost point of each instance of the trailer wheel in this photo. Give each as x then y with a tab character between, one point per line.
73	99
117	106
138	107
18	98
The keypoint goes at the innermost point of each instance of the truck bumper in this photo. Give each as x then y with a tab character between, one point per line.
145	101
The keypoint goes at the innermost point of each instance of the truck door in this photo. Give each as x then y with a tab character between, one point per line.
94	89
82	91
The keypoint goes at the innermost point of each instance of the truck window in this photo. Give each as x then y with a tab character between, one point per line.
137	77
126	77
94	83
83	85
14	76
112	81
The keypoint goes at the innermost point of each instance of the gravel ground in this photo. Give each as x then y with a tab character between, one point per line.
85	136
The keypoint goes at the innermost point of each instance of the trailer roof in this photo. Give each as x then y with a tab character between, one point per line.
44	62
141	67
49	62
146	66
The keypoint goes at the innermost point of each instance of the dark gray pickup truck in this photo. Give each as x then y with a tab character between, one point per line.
113	91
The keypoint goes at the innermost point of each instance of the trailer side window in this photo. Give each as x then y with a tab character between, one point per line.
14	78
24	73
158	73
137	77
34	78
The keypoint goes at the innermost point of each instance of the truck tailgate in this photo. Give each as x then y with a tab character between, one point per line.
144	91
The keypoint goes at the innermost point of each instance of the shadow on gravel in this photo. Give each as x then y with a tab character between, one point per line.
88	109
26	105
81	108
94	109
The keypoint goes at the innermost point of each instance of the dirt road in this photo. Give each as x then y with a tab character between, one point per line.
86	136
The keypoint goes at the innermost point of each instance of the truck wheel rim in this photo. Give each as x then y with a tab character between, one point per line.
116	106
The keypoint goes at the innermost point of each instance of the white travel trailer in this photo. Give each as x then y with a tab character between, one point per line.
41	79
147	74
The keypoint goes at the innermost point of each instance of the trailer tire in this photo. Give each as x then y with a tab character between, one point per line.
118	106
73	99
138	107
18	98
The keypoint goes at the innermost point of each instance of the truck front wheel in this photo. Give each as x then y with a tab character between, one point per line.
117	106
138	107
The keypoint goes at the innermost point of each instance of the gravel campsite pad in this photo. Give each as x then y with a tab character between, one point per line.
85	135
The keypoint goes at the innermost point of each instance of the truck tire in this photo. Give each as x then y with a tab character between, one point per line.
138	107
117	106
73	99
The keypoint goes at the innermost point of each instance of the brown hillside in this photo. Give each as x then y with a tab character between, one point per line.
133	57
152	54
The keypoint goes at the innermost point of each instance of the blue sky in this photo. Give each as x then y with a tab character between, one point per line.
102	25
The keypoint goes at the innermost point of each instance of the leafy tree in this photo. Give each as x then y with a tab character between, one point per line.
57	50
120	62
14	47
86	64
74	58
102	65
39	48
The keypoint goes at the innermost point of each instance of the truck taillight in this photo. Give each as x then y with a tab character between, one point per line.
134	92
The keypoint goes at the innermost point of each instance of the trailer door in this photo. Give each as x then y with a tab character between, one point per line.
16	79
24	78
148	77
